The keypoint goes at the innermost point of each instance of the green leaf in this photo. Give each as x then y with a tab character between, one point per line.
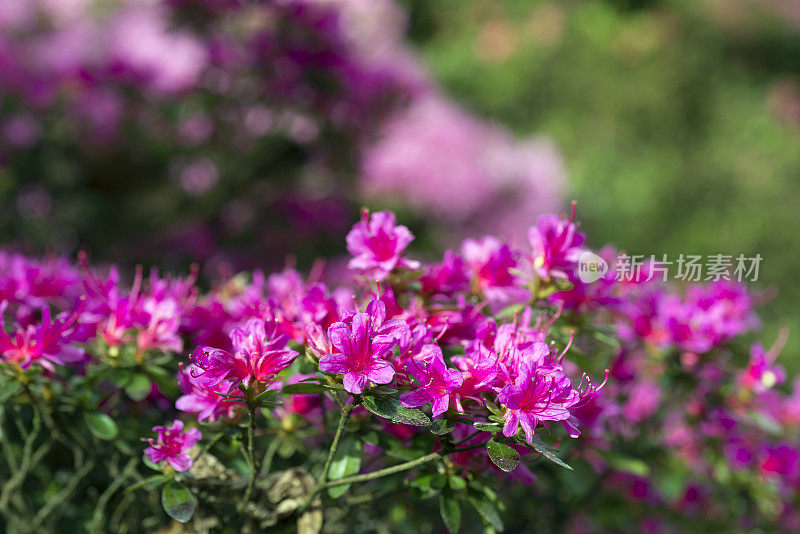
628	465
382	391
493	408
438	481
101	425
304	388
390	408
151	465
487	511
265	400
138	388
155	370
178	501
440	427
503	456
494	428
457	483
228	396
422	482
9	389
450	511
151	482
347	462
548	452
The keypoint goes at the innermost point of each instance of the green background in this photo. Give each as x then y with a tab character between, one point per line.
679	122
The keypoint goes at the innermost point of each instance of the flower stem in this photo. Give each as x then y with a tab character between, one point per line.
323	478
346	409
251	428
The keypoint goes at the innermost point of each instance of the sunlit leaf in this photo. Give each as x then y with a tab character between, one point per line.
503	456
450	511
347	462
101	425
390	408
178	501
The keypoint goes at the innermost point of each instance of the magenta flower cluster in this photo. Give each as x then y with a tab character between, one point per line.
259	354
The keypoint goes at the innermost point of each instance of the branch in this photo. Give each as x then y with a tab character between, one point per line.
97	518
397	468
62	495
381	472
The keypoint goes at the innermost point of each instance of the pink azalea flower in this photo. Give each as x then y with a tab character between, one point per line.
259	354
436	381
643	400
780	460
491	262
556	245
361	348
708	316
201	393
762	373
537	396
172	445
300	303
44	344
377	245
448	277
479	369
162	327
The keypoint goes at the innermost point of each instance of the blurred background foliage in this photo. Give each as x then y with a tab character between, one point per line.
678	121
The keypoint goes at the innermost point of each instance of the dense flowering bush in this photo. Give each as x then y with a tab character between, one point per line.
292	402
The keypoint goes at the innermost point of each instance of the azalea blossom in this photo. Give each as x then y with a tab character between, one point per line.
259	354
538	396
762	373
447	277
172	445
436	381
556	245
707	316
492	263
362	347
377	244
162	327
203	393
45	344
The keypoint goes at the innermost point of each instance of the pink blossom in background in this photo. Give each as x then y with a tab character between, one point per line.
762	373
20	131
170	61
439	159
643	399
428	156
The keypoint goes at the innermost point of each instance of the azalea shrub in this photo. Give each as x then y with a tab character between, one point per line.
491	389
